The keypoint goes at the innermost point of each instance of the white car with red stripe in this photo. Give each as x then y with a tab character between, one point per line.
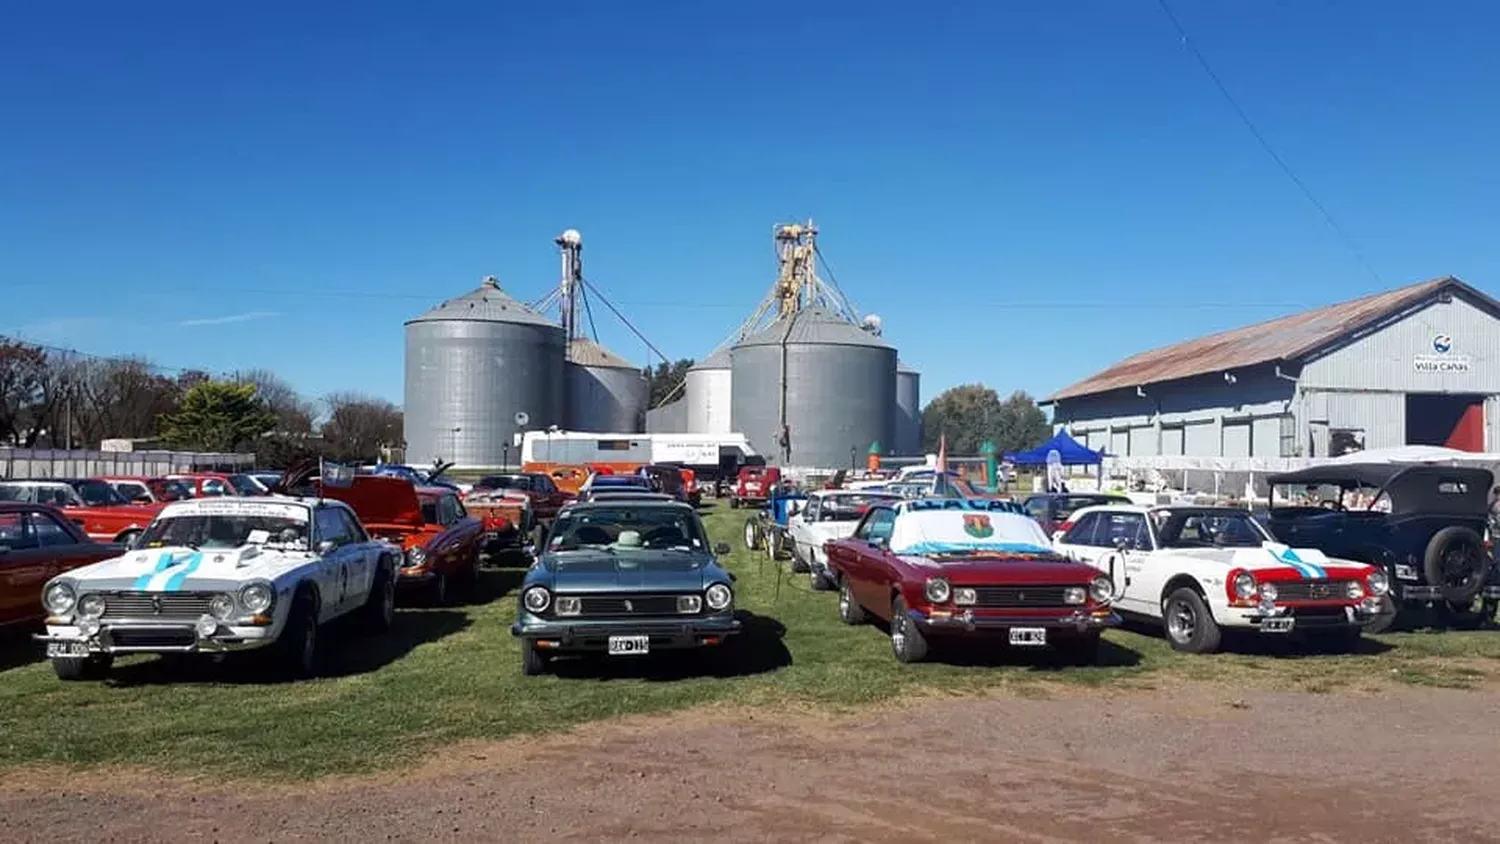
1200	570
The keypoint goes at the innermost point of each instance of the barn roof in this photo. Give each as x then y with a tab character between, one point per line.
1287	338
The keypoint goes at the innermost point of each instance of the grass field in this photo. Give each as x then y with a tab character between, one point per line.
446	675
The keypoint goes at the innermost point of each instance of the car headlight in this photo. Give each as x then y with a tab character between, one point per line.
938	591
221	607
1379	582
1268	592
537	598
59	598
1075	595
1244	585
415	557
569	605
719	597
1355	590
91	606
257	598
965	596
1102	589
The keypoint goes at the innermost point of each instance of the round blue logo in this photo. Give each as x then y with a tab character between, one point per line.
1442	344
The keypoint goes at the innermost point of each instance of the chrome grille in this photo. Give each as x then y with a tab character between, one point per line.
168	606
1006	597
1313	590
628	606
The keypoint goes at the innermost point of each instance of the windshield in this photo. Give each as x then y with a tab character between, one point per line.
1334	497
1208	530
627	528
504	482
849	508
200	531
98	494
247	485
171	490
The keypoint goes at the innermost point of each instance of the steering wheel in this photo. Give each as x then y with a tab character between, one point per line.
1330	504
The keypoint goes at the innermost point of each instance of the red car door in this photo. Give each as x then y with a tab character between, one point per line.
875	563
23	569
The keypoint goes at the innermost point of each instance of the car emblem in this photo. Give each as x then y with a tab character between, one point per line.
1020	596
629	607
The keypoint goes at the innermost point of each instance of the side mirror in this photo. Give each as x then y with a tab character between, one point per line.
1122	544
326	546
722	549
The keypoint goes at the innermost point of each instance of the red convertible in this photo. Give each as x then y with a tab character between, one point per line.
939	567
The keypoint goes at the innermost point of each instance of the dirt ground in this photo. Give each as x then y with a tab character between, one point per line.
1185	763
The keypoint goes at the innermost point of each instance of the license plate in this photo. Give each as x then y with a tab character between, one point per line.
1028	636
67	649
629	645
1277	625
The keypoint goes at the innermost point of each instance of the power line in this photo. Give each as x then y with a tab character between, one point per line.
134	360
1265	145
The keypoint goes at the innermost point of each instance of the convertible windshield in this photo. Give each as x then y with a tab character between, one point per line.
1208	530
222	532
626	528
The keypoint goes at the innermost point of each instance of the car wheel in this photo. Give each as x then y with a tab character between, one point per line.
907	641
776	544
1472	614
799	564
752	535
380	606
440	589
70	669
820	581
1189	625
297	647
850	612
533	661
1455	563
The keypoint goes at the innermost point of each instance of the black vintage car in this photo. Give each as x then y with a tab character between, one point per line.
1425	524
624	578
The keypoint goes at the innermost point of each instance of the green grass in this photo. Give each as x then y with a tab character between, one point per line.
449	675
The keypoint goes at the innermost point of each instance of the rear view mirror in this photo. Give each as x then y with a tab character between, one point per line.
327	546
1122	544
721	549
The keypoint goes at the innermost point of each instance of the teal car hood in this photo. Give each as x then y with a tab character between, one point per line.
627	571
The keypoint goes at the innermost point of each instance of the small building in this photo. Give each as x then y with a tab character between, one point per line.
1419	365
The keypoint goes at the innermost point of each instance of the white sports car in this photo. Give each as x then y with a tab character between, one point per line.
217	575
1199	570
827	515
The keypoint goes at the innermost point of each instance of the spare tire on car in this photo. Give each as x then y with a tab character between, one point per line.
1455	562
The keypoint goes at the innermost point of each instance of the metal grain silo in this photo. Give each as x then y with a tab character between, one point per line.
908	423
830	382
472	364
606	393
708	392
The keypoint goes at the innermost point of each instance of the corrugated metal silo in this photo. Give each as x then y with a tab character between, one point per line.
837	380
606	393
708	392
908	424
472	364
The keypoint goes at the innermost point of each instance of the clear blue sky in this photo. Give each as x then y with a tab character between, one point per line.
1026	192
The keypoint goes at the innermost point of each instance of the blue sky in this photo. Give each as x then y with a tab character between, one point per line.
1025	192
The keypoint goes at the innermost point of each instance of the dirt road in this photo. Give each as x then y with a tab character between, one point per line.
1186	763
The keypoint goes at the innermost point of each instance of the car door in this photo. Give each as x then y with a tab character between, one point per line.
872	586
799	527
363	556
466	528
1127	560
333	561
24	568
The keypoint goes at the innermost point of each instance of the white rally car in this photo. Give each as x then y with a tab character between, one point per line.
827	515
1199	570
215	575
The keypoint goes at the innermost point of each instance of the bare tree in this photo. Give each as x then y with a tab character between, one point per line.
121	398
22	368
294	414
358	425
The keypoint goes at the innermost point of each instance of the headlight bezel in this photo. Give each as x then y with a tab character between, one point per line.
1244	586
256	606
1075	595
414	557
1378	587
567	605
1355	591
937	590
712	600
1102	589
222	607
965	596
60	608
91	606
1267	592
539	606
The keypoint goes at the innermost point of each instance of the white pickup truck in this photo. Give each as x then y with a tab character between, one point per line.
218	575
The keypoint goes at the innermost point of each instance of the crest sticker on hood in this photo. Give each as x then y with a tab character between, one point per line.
978	525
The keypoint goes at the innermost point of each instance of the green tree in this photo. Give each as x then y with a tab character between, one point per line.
972	413
217	416
666	381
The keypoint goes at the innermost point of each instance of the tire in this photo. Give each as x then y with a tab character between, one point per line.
850	612
799	564
533	661
296	649
776	544
72	669
439	591
820	582
1083	650
752	534
1470	615
379	611
907	641
1443	546
1188	623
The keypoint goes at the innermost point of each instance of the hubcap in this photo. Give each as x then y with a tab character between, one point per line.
844	600
1181	621
749	536
898	633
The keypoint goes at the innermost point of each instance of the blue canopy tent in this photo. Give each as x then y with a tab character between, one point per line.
1071	452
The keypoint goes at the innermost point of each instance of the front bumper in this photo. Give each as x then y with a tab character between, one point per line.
1282	618
1079	621
593	635
162	637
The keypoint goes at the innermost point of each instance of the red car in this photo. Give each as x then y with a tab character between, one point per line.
142	490
546	497
753	486
949	567
440	539
37	543
92	504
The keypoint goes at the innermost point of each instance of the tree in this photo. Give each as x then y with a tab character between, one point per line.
122	397
23	368
666	381
294	414
972	413
217	416
359	425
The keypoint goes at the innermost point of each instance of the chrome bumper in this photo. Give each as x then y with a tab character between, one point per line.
967	622
223	640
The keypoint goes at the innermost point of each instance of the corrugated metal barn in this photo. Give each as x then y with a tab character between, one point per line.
1419	365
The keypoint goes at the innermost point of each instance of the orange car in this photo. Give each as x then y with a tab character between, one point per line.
440	539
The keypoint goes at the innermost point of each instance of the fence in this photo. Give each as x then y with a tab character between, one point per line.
60	463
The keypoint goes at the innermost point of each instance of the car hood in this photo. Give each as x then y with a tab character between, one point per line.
983	569
1272	560
631	571
182	569
380	499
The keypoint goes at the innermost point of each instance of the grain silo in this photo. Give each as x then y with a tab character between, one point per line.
908	423
606	393
708	395
473	364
